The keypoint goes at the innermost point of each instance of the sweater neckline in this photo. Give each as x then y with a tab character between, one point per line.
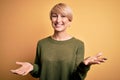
59	42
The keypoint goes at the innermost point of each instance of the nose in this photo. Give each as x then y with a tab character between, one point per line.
59	18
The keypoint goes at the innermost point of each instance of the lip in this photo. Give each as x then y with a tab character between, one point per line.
58	25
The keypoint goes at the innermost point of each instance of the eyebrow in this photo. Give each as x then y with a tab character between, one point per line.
53	14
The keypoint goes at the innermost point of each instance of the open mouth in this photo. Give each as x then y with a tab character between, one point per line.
58	25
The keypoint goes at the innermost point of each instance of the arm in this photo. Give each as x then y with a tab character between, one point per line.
81	69
37	64
84	66
27	67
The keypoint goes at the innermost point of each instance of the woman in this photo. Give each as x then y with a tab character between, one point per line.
59	56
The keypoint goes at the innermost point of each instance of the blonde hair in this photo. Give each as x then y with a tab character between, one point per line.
63	9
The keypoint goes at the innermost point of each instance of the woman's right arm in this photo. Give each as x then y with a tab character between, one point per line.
27	67
37	64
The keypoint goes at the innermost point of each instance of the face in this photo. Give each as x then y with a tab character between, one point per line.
59	22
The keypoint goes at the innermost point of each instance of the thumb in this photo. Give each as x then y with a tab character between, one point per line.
19	63
99	54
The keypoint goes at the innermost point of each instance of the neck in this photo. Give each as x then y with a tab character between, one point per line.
61	36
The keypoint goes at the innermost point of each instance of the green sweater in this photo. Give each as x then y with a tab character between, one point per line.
59	60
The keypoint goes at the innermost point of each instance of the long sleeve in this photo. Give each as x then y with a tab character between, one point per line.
81	72
81	69
37	64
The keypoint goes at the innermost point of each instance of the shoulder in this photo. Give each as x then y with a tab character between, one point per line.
43	41
78	41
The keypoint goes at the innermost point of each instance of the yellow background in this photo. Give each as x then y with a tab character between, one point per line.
24	22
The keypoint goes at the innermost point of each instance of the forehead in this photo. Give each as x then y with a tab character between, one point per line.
58	14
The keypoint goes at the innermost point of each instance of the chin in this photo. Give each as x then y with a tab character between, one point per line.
58	30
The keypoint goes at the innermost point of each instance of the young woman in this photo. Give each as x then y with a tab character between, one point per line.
59	56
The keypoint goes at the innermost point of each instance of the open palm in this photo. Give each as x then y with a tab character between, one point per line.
94	59
24	69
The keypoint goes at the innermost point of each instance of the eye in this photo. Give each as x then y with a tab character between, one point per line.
63	16
54	15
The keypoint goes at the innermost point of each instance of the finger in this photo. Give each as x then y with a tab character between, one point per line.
19	63
19	72
100	60
105	58
94	62
13	71
97	62
98	55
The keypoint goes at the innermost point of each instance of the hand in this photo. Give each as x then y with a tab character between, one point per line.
24	69
94	59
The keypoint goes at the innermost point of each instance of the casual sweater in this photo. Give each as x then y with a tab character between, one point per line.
59	60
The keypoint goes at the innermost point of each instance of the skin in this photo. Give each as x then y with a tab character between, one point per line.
60	23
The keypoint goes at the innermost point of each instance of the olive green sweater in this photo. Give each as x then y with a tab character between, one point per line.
59	60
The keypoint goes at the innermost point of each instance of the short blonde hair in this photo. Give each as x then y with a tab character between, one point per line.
63	9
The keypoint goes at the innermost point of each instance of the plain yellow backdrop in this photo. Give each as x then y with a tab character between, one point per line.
24	22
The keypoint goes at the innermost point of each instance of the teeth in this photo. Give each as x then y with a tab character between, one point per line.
58	24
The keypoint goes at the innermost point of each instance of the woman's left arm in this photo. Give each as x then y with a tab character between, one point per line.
81	69
83	65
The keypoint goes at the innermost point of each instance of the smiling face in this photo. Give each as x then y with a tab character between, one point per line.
61	16
59	22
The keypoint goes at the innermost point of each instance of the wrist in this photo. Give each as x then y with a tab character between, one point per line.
86	62
31	67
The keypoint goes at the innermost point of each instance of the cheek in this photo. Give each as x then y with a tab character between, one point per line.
67	22
53	22
53	19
